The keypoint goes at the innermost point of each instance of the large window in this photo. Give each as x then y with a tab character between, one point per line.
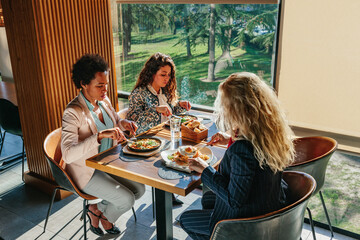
207	42
244	40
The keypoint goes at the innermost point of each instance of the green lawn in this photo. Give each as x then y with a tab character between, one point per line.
341	193
190	72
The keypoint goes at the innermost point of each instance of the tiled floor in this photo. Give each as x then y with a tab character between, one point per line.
23	211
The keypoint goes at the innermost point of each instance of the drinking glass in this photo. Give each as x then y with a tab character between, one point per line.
175	129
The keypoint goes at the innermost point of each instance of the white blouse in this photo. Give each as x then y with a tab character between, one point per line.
162	100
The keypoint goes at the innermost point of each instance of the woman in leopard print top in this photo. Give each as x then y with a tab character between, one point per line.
154	97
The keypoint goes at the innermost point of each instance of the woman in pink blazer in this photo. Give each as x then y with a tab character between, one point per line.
90	125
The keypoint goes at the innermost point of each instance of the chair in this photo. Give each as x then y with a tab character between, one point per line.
53	155
10	123
283	224
312	157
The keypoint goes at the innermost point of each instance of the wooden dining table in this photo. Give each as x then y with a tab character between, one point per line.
146	172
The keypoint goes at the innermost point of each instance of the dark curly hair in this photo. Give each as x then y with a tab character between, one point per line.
152	65
86	67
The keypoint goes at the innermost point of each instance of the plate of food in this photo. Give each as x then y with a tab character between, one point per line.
179	158
144	144
185	118
188	117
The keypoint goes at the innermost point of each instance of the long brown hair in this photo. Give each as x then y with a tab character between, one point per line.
152	65
248	106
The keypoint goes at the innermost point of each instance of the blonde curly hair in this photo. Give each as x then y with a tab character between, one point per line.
249	107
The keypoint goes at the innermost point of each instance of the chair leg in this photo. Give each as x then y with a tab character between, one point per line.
84	217
153	201
51	204
23	160
2	143
134	214
311	223
327	215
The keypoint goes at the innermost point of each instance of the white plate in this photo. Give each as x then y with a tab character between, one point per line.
167	123
171	164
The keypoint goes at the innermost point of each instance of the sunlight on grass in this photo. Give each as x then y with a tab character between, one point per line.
342	200
190	72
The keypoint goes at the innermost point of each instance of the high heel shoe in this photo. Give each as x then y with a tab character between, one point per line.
93	219
108	226
175	201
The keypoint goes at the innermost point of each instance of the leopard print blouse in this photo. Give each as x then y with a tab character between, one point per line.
142	109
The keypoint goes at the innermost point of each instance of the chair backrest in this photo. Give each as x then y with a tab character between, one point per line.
312	157
9	117
283	224
53	155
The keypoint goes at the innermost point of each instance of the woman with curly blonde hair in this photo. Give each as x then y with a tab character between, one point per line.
249	181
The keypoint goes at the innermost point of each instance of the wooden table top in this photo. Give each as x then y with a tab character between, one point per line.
146	171
7	91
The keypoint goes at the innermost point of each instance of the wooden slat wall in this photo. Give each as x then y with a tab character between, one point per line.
45	39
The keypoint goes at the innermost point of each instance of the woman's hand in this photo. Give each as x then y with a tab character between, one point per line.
130	126
113	133
185	104
164	110
219	138
197	165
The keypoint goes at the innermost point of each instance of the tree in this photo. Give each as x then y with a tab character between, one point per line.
193	20
127	22
227	14
175	15
259	27
150	17
211	68
184	12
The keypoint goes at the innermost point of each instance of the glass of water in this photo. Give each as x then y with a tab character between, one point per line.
175	123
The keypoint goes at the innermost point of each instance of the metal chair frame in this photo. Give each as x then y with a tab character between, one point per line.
277	224
12	126
62	178
315	165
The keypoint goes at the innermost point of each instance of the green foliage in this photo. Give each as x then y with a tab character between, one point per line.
190	73
239	20
149	17
260	21
265	41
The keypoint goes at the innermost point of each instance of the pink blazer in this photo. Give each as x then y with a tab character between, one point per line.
79	138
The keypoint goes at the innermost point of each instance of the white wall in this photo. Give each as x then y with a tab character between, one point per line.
319	81
5	64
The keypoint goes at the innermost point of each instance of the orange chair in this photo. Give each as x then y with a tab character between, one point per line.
312	157
53	155
283	224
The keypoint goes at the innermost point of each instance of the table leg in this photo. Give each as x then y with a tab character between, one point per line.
164	226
